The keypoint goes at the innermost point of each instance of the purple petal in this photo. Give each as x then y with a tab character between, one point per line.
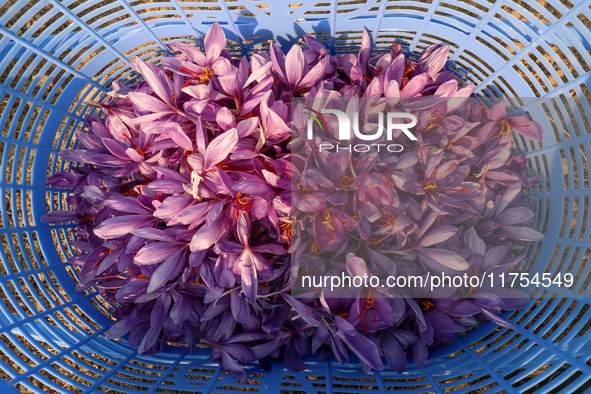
436	59
127	204
156	81
496	319
214	42
222	66
238	350
148	103
303	310
364	51
153	234
414	86
194	215
495	158
294	65
240	309
338	198
123	225
131	290
167	186
253	186
232	366
64	180
474	242
419	353
527	128
247	126
173	206
514	216
117	129
394	354
118	329
55	217
229	83
315	45
115	148
170	173
229	247
269	248
392	91
494	256
509	195
314	75
148	122
192	53
248	276
293	360
310	204
225	119
487	132
440	234
259	74
207	235
498	111
108	261
277	58
156	252
220	148
181	309
356	266
167	271
444	257
396	71
134	155
447	89
365	349
522	233
176	133
345	326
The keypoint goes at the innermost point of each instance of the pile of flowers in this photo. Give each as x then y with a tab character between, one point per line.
195	217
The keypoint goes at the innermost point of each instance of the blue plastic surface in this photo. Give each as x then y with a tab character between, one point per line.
56	56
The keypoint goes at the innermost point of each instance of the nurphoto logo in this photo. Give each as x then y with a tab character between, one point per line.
393	122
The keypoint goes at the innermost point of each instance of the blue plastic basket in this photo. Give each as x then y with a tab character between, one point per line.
56	56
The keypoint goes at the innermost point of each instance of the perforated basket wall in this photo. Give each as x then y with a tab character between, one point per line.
56	56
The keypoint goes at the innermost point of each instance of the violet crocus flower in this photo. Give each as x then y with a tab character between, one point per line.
501	125
249	264
201	67
294	70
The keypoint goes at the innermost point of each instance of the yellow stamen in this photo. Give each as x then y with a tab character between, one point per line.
506	130
239	199
303	189
430	185
314	248
327	219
